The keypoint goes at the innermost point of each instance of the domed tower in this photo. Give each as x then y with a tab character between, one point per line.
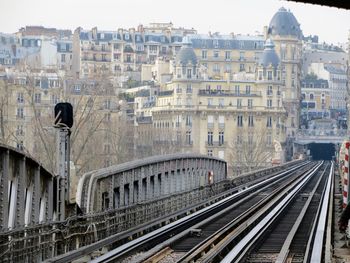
186	63
285	32
269	64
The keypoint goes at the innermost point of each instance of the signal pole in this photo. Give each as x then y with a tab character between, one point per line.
63	123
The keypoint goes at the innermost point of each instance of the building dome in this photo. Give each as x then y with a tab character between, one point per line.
186	54
269	56
284	23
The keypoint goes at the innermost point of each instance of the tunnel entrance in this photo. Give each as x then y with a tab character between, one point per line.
321	151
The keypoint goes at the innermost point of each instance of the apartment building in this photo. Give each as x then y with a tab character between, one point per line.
122	52
336	76
228	118
316	99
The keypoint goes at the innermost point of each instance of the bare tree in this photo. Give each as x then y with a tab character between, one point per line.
250	150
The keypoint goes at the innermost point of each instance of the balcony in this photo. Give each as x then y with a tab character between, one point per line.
211	144
227	93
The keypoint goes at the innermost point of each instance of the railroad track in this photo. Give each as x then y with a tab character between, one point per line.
294	231
177	239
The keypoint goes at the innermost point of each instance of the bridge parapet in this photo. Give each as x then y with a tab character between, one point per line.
143	180
26	190
321	136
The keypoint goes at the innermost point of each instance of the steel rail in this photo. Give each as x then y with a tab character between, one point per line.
317	249
239	250
219	238
231	233
282	256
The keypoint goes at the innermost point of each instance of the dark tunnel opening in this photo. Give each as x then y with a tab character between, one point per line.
322	151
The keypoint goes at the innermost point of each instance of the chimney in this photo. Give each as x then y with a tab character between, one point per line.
94	33
265	32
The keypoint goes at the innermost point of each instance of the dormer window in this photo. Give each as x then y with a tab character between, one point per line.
189	73
269	75
216	43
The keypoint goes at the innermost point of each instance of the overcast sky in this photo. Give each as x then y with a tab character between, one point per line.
239	16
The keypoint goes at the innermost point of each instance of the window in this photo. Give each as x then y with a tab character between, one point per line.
77	88
210	102
250	103
228	68
189	73
210	152
311	96
221	138
269	75
210	138
221	122
189	120
227	55
237	89
63	57
241	55
178	89
20	98
54	99
210	121
20	113
241	67
269	103
278	91
19	130
240	121
221	103
269	121
260	75
107	104
216	68
283	51
216	43
189	88
247	90
37	98
178	121
20	145
250	121
204	54
269	140
216	54
239	103
188	138
269	91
